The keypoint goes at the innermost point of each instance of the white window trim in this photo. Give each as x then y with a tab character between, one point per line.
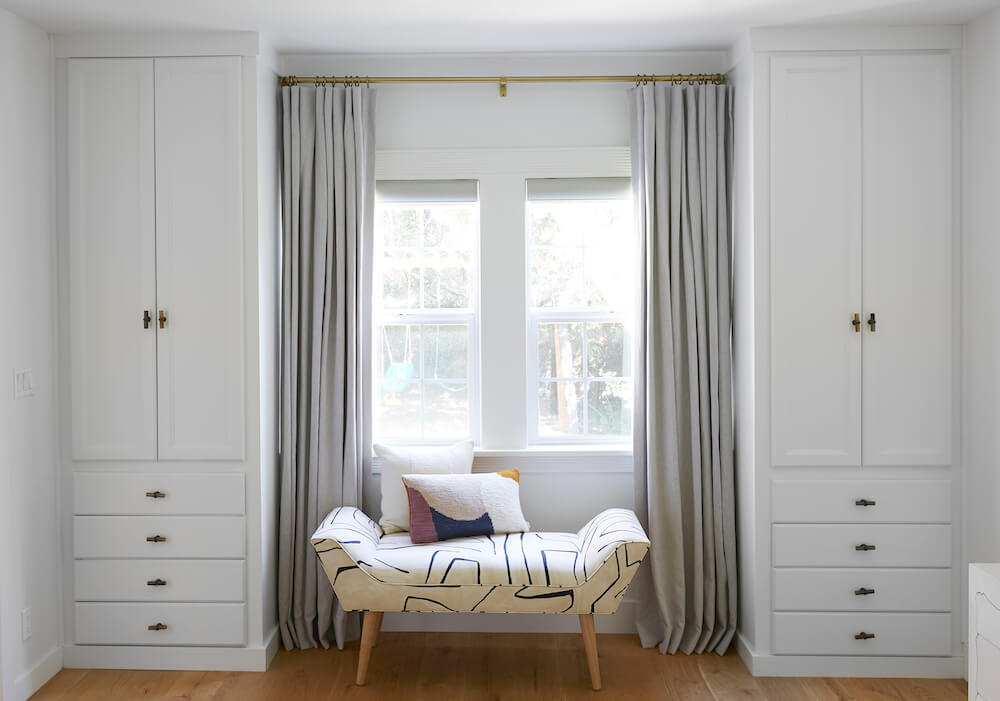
509	438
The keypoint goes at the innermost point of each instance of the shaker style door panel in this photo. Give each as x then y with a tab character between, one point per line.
908	260
111	219
815	260
199	275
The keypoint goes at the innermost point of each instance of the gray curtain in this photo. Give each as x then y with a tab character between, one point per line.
328	186
684	483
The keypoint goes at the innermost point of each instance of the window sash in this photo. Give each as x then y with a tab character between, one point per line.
534	379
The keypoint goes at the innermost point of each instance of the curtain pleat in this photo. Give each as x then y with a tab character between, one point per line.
328	188
683	423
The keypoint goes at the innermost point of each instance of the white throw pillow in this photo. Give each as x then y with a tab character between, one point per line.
425	460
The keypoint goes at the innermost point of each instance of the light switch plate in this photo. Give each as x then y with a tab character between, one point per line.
24	383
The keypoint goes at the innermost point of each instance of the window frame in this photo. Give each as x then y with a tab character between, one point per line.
434	317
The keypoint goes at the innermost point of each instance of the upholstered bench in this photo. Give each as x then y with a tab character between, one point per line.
582	573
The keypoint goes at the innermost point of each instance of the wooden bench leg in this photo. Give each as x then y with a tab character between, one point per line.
369	634
378	627
590	645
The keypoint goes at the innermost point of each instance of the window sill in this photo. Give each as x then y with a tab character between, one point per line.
563	459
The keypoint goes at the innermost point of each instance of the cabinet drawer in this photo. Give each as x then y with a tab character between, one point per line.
835	546
834	590
834	501
117	493
917	634
186	536
186	624
987	670
158	580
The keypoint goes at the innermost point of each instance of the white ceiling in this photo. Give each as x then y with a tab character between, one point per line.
411	26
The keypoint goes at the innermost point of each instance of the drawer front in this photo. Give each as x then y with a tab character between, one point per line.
836	546
987	670
847	590
186	537
159	580
835	501
916	634
186	624
118	493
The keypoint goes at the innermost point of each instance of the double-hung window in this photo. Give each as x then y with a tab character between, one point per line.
580	251
558	285
424	310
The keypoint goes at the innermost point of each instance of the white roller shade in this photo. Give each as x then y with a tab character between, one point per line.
424	191
579	189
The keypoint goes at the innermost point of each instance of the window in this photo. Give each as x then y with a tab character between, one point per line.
580	245
424	309
502	304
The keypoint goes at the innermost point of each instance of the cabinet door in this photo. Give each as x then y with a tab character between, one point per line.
111	258
199	258
908	224
815	260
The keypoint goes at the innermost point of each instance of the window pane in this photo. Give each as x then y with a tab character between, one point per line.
447	282
557	277
449	226
396	412
549	226
609	408
446	409
400	279
609	283
446	351
398	352
606	350
560	408
560	350
401	226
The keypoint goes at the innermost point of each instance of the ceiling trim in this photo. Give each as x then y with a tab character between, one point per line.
943	37
129	44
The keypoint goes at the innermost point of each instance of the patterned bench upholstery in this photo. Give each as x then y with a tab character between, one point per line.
581	573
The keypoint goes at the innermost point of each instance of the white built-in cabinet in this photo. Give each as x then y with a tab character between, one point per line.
861	260
851	531
167	279
156	268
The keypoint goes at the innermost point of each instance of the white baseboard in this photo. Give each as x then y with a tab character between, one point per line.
846	666
223	659
271	647
622	621
32	680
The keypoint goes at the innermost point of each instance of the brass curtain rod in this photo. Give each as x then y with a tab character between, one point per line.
503	81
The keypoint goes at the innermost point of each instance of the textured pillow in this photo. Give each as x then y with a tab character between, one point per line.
456	506
396	462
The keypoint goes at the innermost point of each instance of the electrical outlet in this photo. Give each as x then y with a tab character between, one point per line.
26	624
24	383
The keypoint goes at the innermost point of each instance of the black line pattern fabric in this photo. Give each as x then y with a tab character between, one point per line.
585	572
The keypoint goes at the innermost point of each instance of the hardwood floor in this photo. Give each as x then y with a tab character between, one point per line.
472	666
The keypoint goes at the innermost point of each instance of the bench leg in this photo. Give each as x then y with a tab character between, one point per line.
378	627
369	634
590	645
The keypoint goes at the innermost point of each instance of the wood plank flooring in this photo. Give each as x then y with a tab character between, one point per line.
474	666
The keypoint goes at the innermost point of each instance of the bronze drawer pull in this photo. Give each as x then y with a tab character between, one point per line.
156	495
156	539
157	626
146	318
156	583
863	591
864	636
864	547
864	502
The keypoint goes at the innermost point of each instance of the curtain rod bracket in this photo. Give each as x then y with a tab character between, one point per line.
503	87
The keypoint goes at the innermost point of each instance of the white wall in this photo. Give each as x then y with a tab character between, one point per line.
741	78
555	494
981	290
29	529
